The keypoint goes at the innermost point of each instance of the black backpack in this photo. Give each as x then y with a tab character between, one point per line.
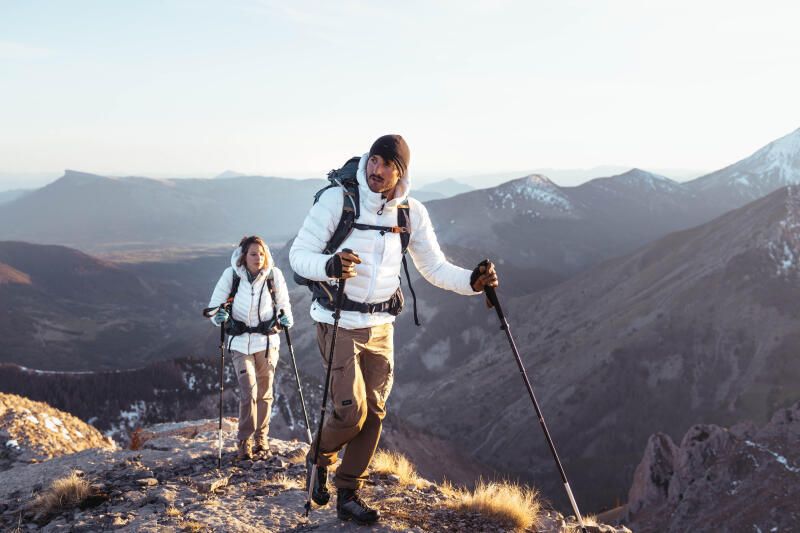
235	327
322	291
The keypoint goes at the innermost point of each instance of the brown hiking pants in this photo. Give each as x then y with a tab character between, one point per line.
361	378
255	372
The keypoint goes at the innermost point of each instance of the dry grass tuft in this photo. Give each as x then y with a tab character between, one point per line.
63	493
385	462
588	520
511	504
283	482
191	526
172	511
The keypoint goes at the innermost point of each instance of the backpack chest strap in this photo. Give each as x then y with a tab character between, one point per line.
381	229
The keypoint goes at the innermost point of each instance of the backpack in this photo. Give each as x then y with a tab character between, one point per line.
235	327
322	291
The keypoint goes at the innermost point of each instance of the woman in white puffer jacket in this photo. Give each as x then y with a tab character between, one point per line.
253	327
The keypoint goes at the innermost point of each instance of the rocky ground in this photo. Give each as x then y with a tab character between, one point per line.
171	483
33	431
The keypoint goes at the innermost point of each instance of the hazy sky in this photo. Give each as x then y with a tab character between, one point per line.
293	88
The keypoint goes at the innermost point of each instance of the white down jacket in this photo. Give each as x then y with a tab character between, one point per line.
245	302
378	275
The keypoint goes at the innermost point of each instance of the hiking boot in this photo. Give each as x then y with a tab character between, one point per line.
320	494
349	506
243	450
261	446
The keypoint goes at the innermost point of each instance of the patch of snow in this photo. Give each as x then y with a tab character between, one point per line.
49	424
12	443
190	380
135	413
779	458
533	188
78	433
786	252
32	419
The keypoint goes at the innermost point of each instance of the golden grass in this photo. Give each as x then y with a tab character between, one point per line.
172	511
385	462
588	520
508	503
62	493
284	482
192	526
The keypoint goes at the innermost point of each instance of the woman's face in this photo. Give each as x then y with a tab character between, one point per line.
255	258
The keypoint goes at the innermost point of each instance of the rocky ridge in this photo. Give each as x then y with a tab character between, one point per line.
172	484
742	478
32	432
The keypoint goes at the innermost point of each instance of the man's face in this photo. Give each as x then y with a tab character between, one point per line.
382	175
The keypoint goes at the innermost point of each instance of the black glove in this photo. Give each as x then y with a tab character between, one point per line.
476	273
333	268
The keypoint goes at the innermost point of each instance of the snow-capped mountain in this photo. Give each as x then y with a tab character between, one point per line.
701	324
533	223
774	166
533	195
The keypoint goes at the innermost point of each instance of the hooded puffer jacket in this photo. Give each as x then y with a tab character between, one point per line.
378	275
245	302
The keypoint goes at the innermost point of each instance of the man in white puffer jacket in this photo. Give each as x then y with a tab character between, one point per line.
363	360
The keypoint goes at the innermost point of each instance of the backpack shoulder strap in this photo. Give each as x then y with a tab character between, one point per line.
350	212
404	222
271	287
234	286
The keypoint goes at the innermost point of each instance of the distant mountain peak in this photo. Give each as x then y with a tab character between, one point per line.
536	180
638	173
76	177
787	146
771	167
534	188
229	174
643	178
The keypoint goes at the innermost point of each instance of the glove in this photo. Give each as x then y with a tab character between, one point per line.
285	321
484	275
221	317
341	265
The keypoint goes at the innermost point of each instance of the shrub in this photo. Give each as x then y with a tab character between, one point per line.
508	503
385	462
63	493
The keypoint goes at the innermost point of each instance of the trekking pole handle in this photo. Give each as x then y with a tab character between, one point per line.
491	294
208	312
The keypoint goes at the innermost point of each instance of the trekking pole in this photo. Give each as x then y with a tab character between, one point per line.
209	312
336	313
492	295
297	376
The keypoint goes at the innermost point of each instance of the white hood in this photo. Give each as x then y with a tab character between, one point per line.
242	271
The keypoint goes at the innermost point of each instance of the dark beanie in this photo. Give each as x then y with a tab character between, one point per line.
392	148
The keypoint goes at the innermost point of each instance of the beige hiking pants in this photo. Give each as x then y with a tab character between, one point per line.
255	373
361	378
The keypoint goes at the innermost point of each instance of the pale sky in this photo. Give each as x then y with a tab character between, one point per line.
177	88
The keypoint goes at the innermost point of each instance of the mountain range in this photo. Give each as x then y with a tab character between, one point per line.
700	325
697	323
530	221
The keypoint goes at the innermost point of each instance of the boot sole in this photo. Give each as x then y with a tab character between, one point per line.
347	516
321	503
